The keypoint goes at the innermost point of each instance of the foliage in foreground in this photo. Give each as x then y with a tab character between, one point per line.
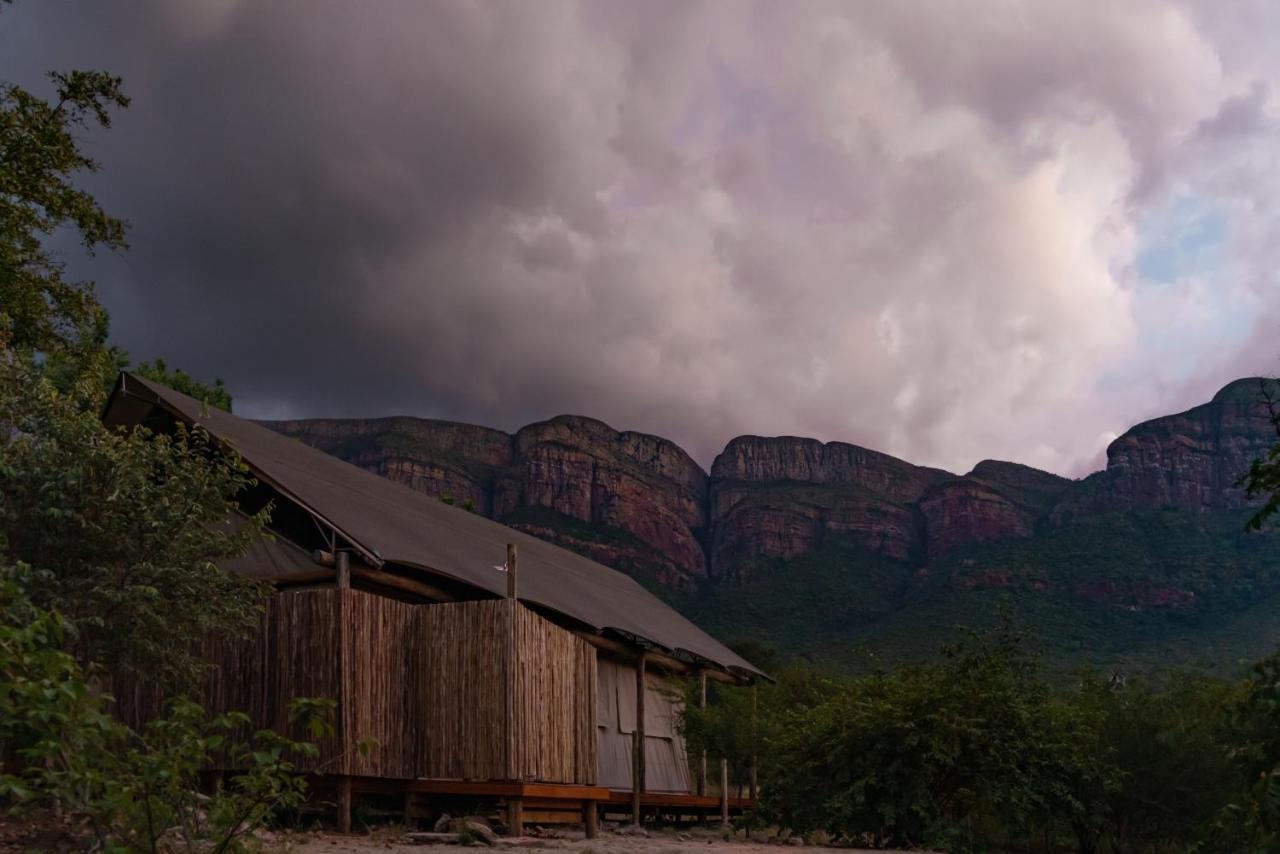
977	751
132	791
109	540
126	527
40	311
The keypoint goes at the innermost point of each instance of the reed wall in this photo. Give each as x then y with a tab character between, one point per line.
482	690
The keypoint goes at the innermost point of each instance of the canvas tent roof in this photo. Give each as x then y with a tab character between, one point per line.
402	526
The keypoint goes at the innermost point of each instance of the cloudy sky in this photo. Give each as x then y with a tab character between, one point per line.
945	230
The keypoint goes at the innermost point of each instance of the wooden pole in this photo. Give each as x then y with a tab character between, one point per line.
344	804
515	816
755	697
702	761
724	793
511	570
342	561
637	744
512	658
590	819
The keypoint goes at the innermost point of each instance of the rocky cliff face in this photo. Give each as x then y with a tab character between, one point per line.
782	497
640	499
995	501
461	462
1190	461
640	503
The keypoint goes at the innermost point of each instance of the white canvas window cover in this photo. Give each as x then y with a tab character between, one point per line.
666	765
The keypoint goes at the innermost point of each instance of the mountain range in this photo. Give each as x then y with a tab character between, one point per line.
844	555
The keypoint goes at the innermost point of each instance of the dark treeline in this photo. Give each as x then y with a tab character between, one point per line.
979	751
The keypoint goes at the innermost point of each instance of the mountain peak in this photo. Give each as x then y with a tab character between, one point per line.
1246	389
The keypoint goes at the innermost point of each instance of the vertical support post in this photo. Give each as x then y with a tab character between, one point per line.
344	804
342	564
513	771
515	816
511	570
724	793
637	743
755	701
702	705
590	819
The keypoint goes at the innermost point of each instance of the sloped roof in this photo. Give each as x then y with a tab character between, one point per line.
400	525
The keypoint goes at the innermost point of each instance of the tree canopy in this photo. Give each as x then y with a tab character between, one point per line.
123	528
41	312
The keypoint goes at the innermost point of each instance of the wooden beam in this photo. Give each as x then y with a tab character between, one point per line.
629	652
677	799
497	788
298	577
702	762
399	582
637	743
590	818
342	561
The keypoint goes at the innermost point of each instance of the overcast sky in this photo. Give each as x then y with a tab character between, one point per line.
946	230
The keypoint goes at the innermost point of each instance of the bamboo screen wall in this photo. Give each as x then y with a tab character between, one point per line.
434	684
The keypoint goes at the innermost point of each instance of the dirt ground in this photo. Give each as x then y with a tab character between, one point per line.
43	832
607	842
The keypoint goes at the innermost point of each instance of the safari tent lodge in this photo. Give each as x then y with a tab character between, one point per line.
488	665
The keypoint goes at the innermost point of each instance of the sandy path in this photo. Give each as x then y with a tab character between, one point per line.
660	842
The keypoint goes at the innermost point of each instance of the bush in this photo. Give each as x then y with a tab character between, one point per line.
127	529
132	791
976	751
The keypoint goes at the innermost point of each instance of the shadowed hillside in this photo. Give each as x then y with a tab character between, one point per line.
839	550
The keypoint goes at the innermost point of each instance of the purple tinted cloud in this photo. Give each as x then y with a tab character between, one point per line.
911	226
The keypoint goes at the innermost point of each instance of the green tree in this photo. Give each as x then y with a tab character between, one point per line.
969	752
42	313
127	527
1170	746
1251	822
134	791
214	394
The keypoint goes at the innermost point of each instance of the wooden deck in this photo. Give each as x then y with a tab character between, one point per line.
679	799
562	791
525	803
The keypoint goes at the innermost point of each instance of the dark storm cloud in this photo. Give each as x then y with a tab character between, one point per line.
917	231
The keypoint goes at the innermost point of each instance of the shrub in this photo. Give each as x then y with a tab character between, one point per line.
132	791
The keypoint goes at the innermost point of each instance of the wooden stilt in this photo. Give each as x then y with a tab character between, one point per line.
637	744
515	816
409	810
590	818
724	793
755	697
344	804
702	704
